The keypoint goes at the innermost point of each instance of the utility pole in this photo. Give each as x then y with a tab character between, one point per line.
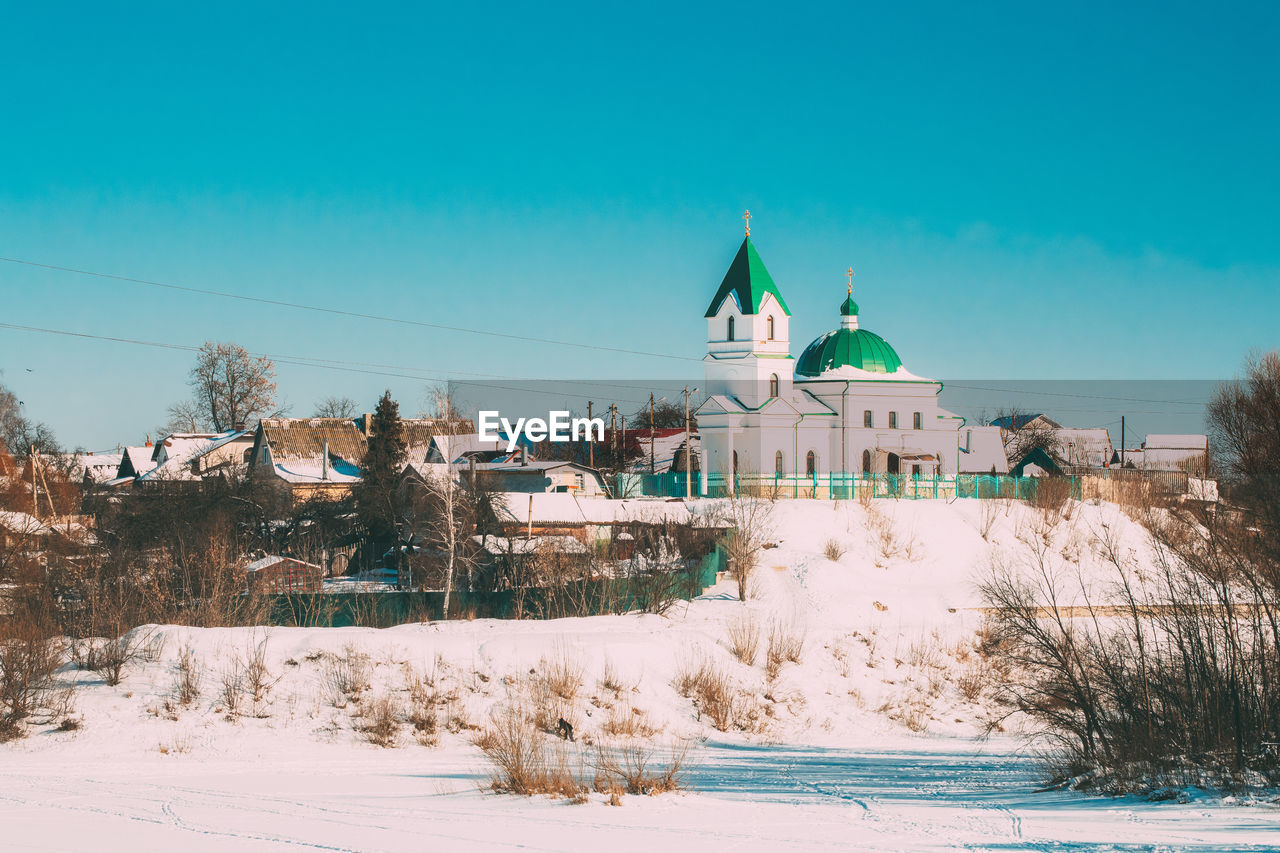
688	449
1122	441
651	460
35	496
591	441
613	434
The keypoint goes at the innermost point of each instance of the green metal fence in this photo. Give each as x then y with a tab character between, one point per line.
837	486
586	597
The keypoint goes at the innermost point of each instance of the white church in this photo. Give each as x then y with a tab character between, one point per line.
845	409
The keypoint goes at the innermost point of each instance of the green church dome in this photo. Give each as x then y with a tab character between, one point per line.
848	348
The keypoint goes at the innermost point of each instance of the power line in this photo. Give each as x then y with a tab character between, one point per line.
324	364
343	313
1079	396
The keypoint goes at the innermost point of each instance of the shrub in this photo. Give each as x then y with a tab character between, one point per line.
744	638
522	762
380	721
833	550
786	644
346	675
29	658
634	768
187	677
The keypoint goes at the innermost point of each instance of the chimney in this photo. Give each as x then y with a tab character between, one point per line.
148	444
524	455
324	462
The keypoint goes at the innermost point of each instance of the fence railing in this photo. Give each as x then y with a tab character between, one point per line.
837	486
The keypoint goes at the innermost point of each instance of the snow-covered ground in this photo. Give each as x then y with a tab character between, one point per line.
869	741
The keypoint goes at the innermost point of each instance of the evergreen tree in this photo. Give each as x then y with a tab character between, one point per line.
378	500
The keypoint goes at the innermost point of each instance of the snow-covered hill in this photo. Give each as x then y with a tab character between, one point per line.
887	666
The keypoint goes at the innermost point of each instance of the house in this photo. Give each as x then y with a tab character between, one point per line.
532	475
276	574
308	457
1088	447
982	451
321	457
134	462
192	458
1036	463
1188	453
658	451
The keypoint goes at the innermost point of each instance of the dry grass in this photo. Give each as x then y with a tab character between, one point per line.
561	675
833	550
889	541
523	762
634	768
187	678
610	679
744	638
714	694
629	722
786	644
346	676
380	721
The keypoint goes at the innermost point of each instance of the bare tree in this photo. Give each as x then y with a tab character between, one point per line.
229	386
336	407
19	433
1023	432
751	525
452	510
186	416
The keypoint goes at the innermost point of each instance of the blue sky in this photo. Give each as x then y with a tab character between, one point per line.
1026	191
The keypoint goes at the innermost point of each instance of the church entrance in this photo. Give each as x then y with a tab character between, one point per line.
895	464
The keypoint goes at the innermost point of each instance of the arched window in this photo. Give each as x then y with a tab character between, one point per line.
810	464
773	384
895	464
769	325
777	463
730	328
735	462
866	461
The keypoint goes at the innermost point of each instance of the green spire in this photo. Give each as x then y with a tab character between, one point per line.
849	308
749	281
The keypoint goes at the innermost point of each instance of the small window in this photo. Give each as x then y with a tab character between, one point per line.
866	461
579	481
917	421
777	463
867	419
730	328
893	420
769	324
773	384
810	464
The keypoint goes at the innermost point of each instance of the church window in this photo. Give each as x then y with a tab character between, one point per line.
893	420
773	384
769	324
810	464
917	421
866	419
777	463
730	328
866	461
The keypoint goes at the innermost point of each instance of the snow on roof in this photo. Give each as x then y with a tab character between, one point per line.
1177	442
567	508
1088	448
23	523
274	559
137	461
178	451
451	448
499	545
982	451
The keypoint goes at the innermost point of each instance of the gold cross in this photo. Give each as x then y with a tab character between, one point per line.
746	216
849	273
